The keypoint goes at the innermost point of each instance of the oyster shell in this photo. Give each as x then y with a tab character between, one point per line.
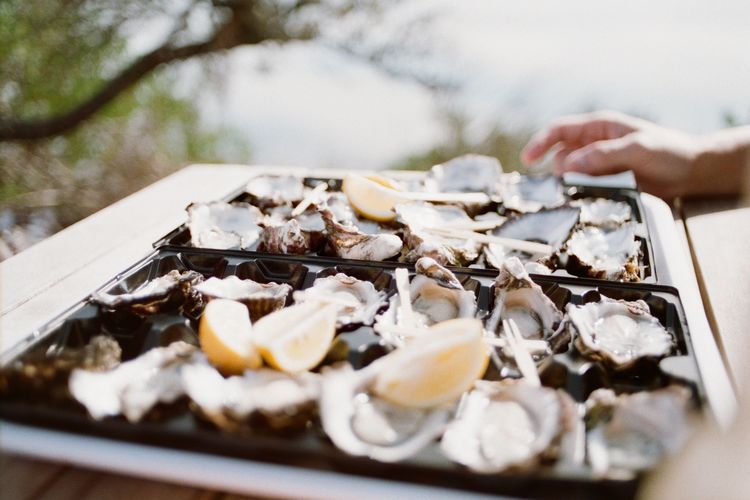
618	332
525	193
260	298
223	225
518	298
268	398
174	289
286	238
508	425
136	386
603	212
633	432
550	226
359	299
350	243
467	173
274	190
436	295
611	254
419	215
361	424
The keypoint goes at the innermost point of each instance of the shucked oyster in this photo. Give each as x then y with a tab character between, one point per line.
504	425
260	298
519	299
524	193
134	387
223	225
174	289
633	432
350	243
359	300
274	190
618	332
603	212
270	398
285	238
419	215
550	226
611	254
467	173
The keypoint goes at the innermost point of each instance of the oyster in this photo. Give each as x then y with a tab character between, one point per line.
525	193
270	398
603	212
136	386
508	425
260	298
46	374
362	424
274	190
633	432
223	225
618	332
467	173
550	226
174	289
286	238
458	252
350	243
422	214
359	300
519	299
611	254
436	296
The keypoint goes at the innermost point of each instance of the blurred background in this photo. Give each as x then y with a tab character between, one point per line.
99	98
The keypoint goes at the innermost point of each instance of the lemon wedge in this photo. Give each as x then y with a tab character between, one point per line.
296	338
373	198
225	334
435	368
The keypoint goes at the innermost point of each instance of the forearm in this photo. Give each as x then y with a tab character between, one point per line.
721	163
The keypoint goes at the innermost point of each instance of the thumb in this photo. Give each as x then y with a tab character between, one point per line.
603	157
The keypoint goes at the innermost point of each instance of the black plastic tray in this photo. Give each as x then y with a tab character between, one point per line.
174	426
180	236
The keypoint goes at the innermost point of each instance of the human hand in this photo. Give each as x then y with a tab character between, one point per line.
607	142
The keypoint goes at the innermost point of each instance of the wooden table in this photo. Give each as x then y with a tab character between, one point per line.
44	280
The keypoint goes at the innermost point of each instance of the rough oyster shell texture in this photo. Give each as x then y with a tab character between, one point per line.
223	225
618	332
604	253
274	190
524	193
350	243
285	238
359	300
260	298
467	173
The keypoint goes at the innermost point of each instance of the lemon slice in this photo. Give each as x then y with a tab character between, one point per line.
225	334
371	198
296	338
434	368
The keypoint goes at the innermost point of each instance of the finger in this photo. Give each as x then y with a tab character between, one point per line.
578	129
603	157
559	159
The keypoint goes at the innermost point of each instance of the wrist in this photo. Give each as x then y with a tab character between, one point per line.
718	163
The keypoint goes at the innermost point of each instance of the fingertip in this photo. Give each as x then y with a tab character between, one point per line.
529	154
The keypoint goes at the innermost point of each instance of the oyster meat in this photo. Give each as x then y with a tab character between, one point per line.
603	212
285	238
611	254
274	190
436	295
508	425
174	289
549	226
260	298
525	193
519	299
267	398
134	387
467	173
359	300
618	332
350	243
360	423
633	432
224	225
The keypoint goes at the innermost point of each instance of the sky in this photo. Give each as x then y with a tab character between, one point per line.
517	64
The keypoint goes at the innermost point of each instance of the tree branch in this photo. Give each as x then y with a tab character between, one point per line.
237	31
